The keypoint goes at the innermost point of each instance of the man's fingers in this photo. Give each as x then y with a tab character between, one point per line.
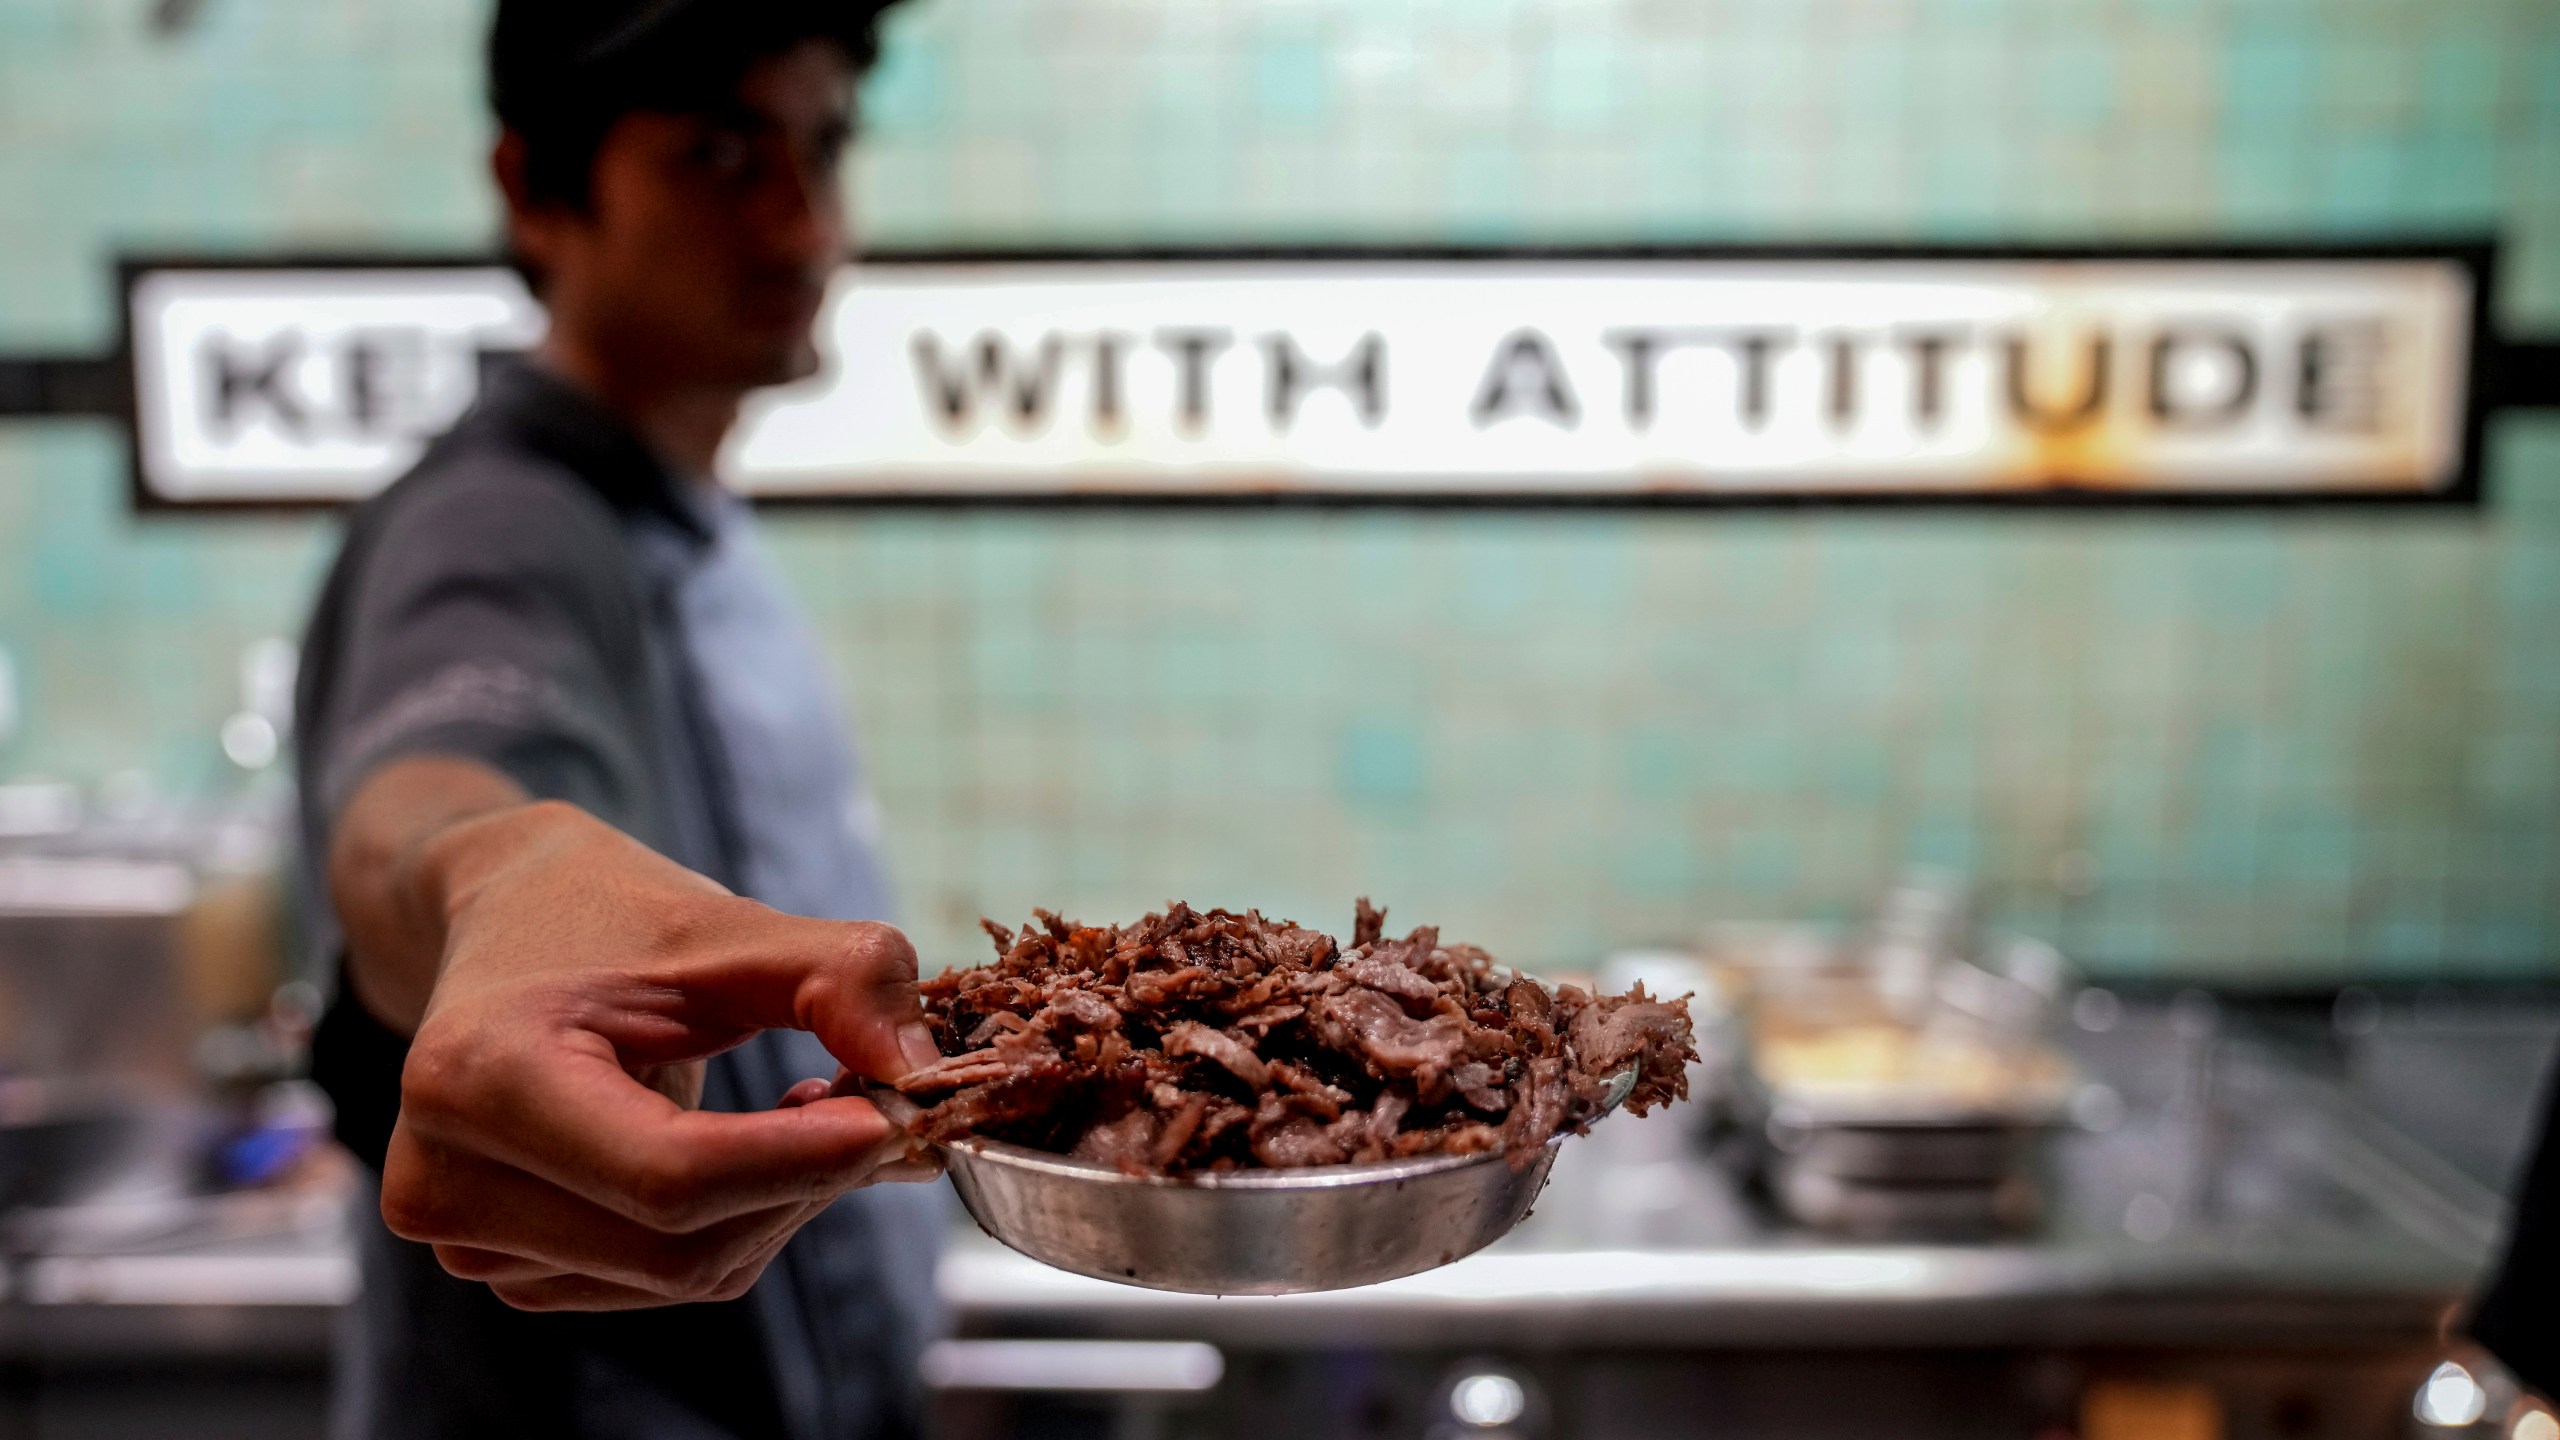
697	1168
495	1224
851	983
907	1172
560	1107
579	1292
492	1267
681	1083
864	1006
729	969
738	1280
574	1292
922	1162
444	1195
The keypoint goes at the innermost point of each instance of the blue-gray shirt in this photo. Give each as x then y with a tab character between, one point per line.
542	594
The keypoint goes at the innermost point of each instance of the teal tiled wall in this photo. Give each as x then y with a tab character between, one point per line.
2261	748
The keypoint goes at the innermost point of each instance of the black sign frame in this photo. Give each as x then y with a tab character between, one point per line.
2500	374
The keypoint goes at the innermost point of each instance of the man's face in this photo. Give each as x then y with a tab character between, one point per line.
708	241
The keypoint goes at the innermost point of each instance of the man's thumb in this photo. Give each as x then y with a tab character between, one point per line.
861	1001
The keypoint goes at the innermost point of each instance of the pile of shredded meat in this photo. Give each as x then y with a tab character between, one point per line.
1196	1041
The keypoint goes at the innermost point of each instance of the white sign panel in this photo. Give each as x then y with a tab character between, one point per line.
308	385
1501	379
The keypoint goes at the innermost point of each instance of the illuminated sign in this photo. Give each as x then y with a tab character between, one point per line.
307	385
1490	378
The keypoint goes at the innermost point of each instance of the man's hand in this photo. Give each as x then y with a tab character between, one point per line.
547	1143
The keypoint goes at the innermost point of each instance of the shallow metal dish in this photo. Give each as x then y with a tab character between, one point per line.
1249	1232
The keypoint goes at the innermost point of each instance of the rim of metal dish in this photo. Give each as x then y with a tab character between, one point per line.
1309	1177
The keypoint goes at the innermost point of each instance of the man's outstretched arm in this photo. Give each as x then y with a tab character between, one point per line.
563	984
389	900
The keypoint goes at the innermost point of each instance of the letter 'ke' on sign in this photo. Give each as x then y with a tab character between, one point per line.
1492	378
307	385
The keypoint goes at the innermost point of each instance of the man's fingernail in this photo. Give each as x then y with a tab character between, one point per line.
917	1043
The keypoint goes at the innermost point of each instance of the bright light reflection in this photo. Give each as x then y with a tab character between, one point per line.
2535	1425
2451	1397
250	740
1488	1400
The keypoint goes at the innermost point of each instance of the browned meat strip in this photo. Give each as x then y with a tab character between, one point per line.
1480	1085
1539	1106
1641	1033
1368	1024
1529	1003
1178	1130
1223	1116
1023	1096
1188	1037
976	1067
1306	1082
1080	1010
1268	1016
1156	989
1127	1144
1284	1140
1391	978
1368	924
1002	1022
1385	1118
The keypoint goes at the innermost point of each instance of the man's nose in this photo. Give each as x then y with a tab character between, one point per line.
807	224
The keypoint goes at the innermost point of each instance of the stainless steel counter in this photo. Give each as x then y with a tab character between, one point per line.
2228	1224
2223	1196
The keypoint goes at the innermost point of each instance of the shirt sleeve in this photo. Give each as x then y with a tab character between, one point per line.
495	619
491	615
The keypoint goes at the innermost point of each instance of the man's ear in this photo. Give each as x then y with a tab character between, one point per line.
509	166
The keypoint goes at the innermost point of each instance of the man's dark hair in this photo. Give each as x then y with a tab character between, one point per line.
562	71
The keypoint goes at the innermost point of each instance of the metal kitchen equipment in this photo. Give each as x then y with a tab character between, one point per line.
1905	1083
128	932
92	984
94	1020
1258	1232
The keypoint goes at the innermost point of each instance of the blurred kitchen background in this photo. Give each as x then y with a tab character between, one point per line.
2284	782
2274	749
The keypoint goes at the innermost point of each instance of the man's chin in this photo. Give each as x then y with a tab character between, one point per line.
805	362
784	365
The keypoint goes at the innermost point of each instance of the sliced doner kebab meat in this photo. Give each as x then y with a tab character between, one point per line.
1210	1040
